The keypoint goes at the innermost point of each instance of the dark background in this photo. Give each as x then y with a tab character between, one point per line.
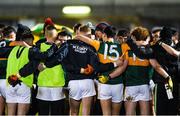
120	13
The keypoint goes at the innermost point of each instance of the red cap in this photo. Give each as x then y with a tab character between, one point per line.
48	21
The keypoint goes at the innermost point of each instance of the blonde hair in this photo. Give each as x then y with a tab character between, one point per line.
85	29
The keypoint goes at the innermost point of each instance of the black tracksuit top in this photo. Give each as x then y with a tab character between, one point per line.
75	54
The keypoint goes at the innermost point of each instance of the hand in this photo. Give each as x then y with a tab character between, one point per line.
151	85
159	42
169	82
26	45
58	42
34	86
41	67
88	70
103	79
76	37
119	62
14	80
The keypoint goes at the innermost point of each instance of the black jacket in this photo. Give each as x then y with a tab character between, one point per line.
75	54
167	61
36	56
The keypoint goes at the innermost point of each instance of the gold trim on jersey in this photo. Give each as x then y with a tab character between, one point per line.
3	58
138	62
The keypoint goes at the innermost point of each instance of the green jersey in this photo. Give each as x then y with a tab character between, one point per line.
110	52
3	60
138	70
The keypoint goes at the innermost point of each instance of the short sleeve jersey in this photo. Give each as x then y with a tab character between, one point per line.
108	52
138	70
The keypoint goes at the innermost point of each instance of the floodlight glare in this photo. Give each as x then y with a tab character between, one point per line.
76	10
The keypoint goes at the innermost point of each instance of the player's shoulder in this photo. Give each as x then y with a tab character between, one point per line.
125	47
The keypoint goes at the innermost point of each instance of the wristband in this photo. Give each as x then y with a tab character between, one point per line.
168	77
160	43
82	70
115	64
109	77
18	75
44	66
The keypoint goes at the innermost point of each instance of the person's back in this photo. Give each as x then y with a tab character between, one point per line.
164	105
6	45
19	95
81	86
165	59
79	54
108	51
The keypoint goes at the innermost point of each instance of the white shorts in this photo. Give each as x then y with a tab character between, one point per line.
79	89
96	82
18	94
50	93
3	88
137	93
113	92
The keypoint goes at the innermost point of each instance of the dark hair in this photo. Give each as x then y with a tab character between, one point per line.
50	27
92	31
166	34
27	37
110	31
65	33
151	36
7	30
76	27
2	26
22	30
101	26
123	32
174	31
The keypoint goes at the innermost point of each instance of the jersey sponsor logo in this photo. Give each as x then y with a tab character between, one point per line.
129	98
80	49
